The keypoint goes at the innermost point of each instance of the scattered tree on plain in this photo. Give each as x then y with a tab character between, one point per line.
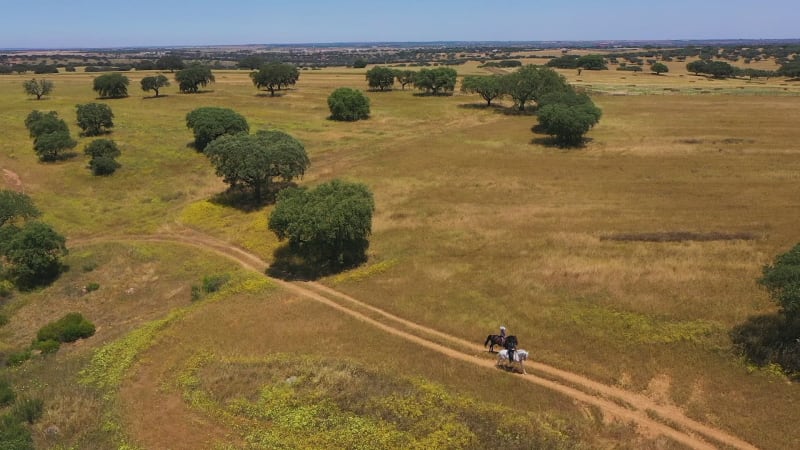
530	83
95	118
436	81
209	123
252	62
275	76
111	85
154	83
255	161
170	62
659	68
50	135
489	87
380	78
348	105
102	154
193	77
16	205
33	253
592	62
328	225
405	77
567	116
39	88
359	63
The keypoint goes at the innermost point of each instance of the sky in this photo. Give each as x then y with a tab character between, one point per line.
142	23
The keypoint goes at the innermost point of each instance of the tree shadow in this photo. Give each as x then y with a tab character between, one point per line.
482	106
268	95
430	94
155	97
514	111
770	339
242	199
293	263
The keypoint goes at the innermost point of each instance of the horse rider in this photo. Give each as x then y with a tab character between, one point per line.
502	335
511	346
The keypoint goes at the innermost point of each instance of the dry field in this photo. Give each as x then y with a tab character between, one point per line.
478	224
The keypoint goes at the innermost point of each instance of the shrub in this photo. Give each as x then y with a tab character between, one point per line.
3	319
28	410
213	283
69	328
92	287
197	293
7	395
6	289
14	435
95	118
103	165
348	105
46	347
17	358
209	123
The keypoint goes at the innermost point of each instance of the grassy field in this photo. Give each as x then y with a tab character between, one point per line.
477	224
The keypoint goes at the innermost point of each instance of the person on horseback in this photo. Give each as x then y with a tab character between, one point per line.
502	335
511	346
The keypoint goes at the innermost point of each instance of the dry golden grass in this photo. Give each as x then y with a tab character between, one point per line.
477	225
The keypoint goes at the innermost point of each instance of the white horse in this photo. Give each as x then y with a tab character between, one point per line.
519	356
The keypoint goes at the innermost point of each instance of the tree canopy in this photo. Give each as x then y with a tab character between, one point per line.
380	78
254	161
95	118
436	81
154	83
16	205
659	68
170	62
592	62
39	88
489	87
567	116
329	225
790	69
111	85
348	105
405	77
209	123
34	254
192	78
530	83
50	135
782	280
102	154
275	76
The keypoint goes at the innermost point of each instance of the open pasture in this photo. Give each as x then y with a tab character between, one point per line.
478	224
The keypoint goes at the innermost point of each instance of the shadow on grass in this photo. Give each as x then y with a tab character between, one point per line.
292	264
243	199
481	106
770	339
155	96
429	94
514	111
262	94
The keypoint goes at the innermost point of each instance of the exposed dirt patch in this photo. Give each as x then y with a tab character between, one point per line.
12	180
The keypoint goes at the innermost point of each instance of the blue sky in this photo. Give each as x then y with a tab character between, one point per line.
109	23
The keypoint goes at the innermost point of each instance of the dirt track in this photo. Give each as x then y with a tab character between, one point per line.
652	417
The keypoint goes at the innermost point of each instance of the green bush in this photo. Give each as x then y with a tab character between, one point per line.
28	410
6	289
17	358
103	165
212	283
348	105
3	319
14	435
46	347
7	395
197	293
69	328
92	287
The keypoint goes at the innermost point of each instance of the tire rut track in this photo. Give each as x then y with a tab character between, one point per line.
669	421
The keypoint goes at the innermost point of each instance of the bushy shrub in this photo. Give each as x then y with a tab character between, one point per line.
197	293
7	395
3	319
348	105
209	123
6	288
14	435
17	358
212	283
92	287
69	328
95	118
46	347
103	165
28	410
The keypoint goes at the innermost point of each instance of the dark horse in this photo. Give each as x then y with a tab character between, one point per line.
496	339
